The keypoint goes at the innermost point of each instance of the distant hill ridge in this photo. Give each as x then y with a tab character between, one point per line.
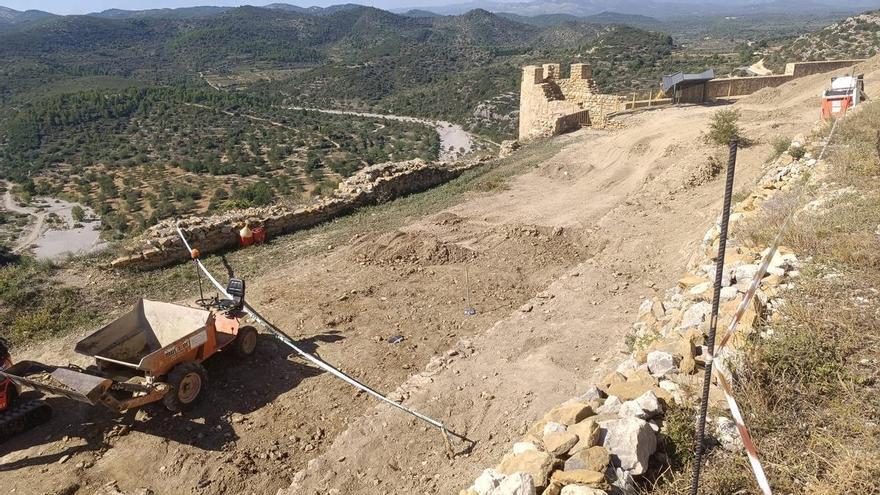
275	33
10	17
657	8
855	37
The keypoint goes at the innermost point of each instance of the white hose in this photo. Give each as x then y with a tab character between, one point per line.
309	357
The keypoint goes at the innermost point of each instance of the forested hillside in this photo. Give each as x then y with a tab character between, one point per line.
377	59
191	102
854	37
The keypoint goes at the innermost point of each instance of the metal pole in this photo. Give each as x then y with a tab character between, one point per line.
469	310
713	323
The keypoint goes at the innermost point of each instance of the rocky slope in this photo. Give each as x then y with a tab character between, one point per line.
614	437
854	37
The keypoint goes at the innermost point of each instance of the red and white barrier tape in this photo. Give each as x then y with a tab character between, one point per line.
765	263
748	444
720	371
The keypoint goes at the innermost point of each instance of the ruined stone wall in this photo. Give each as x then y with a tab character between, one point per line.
740	86
550	105
160	245
729	87
801	69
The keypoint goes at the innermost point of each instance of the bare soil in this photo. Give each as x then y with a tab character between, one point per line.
559	247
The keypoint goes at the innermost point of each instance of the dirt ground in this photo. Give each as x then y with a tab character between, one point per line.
558	248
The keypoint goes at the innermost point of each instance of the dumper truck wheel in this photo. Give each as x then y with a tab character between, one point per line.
245	342
187	381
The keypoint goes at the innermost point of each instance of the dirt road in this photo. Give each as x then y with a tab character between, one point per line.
34	230
453	137
52	241
561	242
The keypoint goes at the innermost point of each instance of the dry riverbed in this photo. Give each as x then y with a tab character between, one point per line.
52	232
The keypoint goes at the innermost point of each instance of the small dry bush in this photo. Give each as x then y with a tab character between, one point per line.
723	127
780	145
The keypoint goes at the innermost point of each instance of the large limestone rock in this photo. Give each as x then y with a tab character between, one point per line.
631	442
591	394
611	405
611	379
535	463
592	459
745	274
727	434
587	432
579	476
486	481
660	363
554	488
622	481
515	484
552	427
569	413
559	443
696	315
646	406
581	490
520	447
638	383
690	280
507	148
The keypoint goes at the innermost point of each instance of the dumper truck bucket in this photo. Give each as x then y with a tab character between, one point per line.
151	329
59	381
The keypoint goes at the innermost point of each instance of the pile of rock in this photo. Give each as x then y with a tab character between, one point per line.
608	440
508	147
161	246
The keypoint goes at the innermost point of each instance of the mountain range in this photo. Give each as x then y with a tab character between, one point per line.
659	9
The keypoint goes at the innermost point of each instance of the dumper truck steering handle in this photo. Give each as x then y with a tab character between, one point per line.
4	351
216	302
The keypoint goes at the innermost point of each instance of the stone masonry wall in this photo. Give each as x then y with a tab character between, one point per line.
160	245
610	438
740	86
550	105
801	69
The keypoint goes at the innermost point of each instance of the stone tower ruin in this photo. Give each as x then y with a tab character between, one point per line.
550	105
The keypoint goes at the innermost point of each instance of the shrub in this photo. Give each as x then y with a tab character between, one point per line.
780	145
78	213
724	127
797	152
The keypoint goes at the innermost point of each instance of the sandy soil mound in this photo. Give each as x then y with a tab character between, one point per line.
763	96
401	247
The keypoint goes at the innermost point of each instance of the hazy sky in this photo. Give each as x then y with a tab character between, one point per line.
87	6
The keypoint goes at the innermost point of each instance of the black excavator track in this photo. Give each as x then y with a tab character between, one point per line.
23	417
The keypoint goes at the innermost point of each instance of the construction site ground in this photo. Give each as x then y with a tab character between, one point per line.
560	243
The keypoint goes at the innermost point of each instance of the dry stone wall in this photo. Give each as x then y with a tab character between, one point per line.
610	438
801	69
728	87
550	105
160	245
